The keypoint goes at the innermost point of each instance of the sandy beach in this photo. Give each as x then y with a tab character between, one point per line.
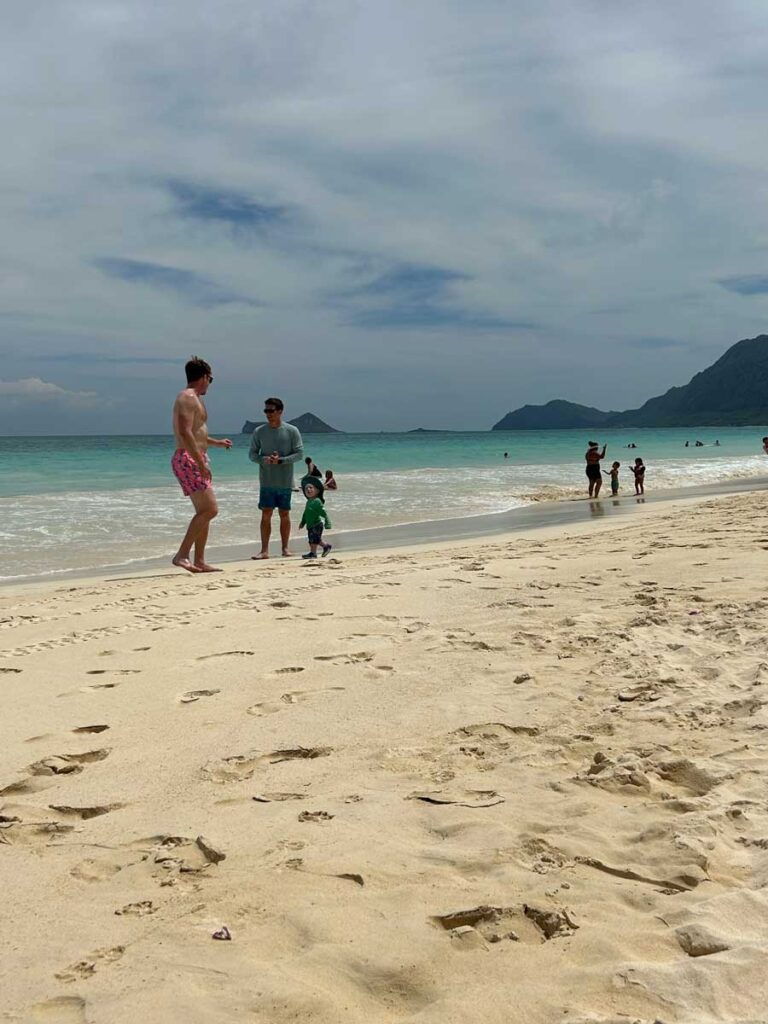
516	779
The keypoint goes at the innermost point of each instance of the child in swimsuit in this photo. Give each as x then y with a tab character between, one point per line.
639	470
615	478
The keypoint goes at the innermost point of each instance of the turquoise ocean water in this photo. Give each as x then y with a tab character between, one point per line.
91	502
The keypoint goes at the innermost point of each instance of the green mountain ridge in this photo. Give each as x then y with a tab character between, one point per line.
555	415
732	392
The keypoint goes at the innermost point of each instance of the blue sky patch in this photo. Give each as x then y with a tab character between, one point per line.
746	284
196	288
200	202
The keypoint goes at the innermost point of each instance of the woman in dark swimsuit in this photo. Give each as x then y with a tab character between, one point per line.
595	477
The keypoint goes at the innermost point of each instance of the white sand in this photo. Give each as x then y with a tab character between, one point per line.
585	714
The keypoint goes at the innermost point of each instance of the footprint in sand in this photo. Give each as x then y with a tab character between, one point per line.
86	968
270	798
289	669
475	927
225	654
193	695
67	764
113	671
286	699
355	658
316	816
142	908
99	869
37	831
84	813
39	772
62	1010
29	826
166	858
242	766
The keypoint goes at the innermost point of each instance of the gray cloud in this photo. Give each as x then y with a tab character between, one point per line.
33	389
394	187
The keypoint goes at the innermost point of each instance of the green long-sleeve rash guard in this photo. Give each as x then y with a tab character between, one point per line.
314	512
286	441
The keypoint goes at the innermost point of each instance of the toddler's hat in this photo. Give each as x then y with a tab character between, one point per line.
316	482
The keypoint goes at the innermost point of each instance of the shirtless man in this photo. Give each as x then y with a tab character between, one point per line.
190	463
595	477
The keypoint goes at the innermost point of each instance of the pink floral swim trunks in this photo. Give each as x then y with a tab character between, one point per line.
187	472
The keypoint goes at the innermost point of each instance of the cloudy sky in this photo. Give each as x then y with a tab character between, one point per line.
396	214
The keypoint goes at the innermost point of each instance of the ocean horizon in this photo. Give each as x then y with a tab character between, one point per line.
90	501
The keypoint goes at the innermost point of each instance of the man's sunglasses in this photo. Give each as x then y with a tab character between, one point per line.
270	409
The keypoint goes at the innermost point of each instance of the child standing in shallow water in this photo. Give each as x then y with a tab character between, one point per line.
314	515
615	477
639	470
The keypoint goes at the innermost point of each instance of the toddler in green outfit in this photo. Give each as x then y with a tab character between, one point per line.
314	515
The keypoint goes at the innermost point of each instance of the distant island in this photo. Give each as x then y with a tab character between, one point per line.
307	423
733	392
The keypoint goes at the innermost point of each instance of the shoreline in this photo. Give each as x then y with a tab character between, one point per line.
530	518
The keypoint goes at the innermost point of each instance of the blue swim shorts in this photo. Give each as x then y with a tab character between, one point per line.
275	497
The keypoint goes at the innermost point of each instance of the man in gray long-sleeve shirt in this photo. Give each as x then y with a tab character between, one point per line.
275	446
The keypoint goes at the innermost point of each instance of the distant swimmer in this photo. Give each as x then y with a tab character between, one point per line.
717	444
506	455
592	457
190	463
687	443
639	470
312	469
615	477
765	445
330	481
699	444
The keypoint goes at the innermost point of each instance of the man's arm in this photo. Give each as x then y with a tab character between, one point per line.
219	442
185	423
255	453
297	448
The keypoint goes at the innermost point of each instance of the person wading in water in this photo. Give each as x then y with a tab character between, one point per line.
595	477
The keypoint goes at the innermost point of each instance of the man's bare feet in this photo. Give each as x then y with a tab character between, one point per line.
184	563
287	553
204	567
260	557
